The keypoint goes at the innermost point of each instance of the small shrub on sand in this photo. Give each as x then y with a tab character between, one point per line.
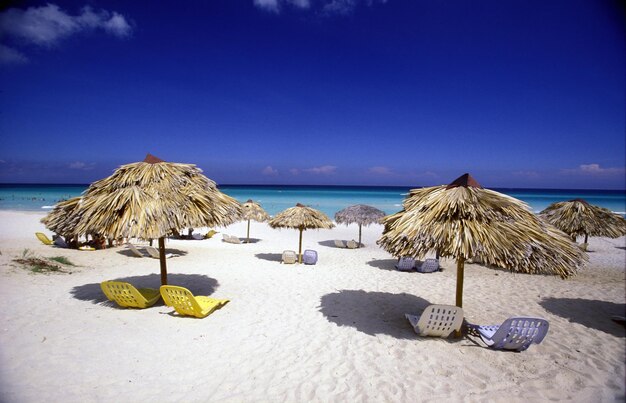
42	265
62	260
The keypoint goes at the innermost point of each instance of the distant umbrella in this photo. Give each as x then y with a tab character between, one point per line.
360	214
151	198
465	221
253	211
301	218
579	218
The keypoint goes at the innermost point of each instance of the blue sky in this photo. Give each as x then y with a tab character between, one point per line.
347	92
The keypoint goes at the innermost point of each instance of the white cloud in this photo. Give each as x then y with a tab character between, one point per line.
82	166
47	25
269	171
341	7
380	170
294	171
276	5
323	170
594	169
11	56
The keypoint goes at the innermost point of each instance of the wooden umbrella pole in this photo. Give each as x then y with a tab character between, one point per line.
162	260
248	231
460	263
300	247
359	235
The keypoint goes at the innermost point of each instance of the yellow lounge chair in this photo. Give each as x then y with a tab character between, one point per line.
210	234
185	303
127	296
43	238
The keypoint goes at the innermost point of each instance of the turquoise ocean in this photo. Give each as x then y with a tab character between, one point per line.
329	199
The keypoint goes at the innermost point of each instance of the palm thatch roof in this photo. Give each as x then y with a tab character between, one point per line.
578	217
360	214
302	218
149	199
253	211
465	221
62	219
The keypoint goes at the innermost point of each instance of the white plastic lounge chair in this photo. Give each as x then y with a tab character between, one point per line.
234	239
429	266
134	250
406	263
437	320
153	252
225	237
197	236
352	244
340	243
309	257
290	257
515	333
60	242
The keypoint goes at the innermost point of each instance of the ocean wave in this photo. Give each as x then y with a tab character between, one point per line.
47	207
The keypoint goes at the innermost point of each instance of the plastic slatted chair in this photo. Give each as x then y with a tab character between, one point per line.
429	266
185	303
289	257
406	263
515	333
339	243
127	296
43	238
154	252
437	320
309	256
352	244
134	250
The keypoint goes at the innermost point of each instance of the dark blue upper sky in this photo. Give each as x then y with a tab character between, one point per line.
351	92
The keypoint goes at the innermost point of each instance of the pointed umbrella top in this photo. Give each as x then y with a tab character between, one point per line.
151	159
465	180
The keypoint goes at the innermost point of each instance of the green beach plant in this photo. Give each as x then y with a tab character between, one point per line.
42	265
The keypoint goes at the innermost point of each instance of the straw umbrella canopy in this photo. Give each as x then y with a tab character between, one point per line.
253	211
149	199
465	221
62	219
301	218
360	214
577	217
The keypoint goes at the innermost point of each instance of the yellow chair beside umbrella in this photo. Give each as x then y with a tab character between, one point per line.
127	296
43	238
185	303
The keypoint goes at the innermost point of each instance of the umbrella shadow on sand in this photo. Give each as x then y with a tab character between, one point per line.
593	314
329	244
129	253
384	264
198	284
272	257
373	312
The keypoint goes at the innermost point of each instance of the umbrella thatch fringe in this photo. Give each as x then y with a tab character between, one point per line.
301	217
360	214
252	210
578	218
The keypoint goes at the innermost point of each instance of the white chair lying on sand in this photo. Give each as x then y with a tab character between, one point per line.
515	333
339	243
309	256
153	252
289	257
352	244
234	239
429	266
225	237
406	263
437	320
134	250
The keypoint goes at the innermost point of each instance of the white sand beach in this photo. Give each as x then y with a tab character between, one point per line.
332	332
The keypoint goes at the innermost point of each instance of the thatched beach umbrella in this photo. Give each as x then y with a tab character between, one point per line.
360	214
149	199
465	221
578	217
301	218
253	211
62	219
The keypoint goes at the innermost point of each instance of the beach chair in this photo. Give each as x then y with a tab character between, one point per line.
185	303
234	239
289	257
437	320
134	250
225	237
60	242
406	263
309	257
197	237
210	234
352	244
515	333
127	296
429	266
339	243
43	238
154	252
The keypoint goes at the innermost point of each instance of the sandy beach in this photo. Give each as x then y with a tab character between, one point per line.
333	332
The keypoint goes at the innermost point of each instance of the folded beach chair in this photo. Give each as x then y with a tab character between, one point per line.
309	257
340	243
154	252
60	242
429	266
43	238
352	244
515	333
234	239
185	303
290	257
437	320
210	234
127	296
406	263
225	237
197	236
134	250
